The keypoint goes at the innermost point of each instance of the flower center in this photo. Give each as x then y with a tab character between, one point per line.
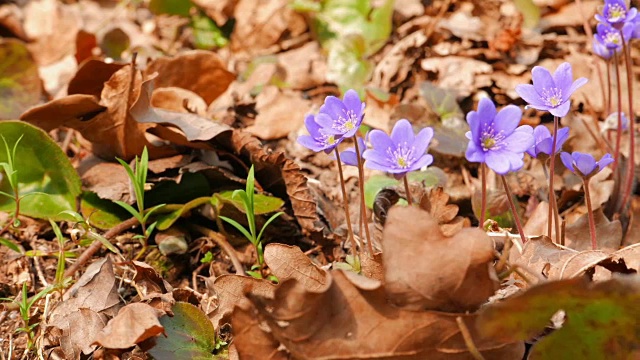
616	13
552	97
329	139
402	155
613	38
347	122
490	139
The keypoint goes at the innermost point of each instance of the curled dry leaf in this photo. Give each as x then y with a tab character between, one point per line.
134	323
199	71
436	202
179	100
289	262
426	270
352	308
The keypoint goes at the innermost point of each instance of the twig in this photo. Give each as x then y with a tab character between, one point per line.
224	245
96	245
468	340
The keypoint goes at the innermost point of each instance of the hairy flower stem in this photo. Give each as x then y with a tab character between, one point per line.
616	154
406	189
483	196
592	221
513	209
345	200
629	176
552	168
363	207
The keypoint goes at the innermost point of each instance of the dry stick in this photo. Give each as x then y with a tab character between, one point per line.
552	168
363	207
406	189
345	200
483	192
95	246
513	209
616	155
468	340
224	245
632	134
592	222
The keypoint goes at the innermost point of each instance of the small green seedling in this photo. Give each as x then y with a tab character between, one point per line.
24	305
139	179
247	198
12	175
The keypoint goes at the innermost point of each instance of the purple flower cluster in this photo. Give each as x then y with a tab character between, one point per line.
616	24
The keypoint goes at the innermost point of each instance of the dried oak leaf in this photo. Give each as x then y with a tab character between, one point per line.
436	202
134	323
351	309
426	270
289	262
79	328
202	72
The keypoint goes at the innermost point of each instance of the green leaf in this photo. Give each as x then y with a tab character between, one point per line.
267	224
530	12
131	210
43	168
441	101
93	237
347	65
166	220
171	7
373	185
20	84
601	318
190	335
262	204
8	243
239	227
101	213
206	34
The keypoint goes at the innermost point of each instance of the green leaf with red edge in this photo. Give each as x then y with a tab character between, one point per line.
601	318
190	335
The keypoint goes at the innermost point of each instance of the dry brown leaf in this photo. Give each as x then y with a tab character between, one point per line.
280	112
202	72
53	27
372	266
107	179
426	270
79	328
436	202
630	255
178	99
218	10
148	280
608	233
96	290
456	72
230	291
260	27
289	262
134	323
92	76
251	341
304	67
352	309
397	63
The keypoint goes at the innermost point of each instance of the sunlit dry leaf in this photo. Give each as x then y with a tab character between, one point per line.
352	308
280	112
436	202
426	270
202	72
53	27
91	77
289	262
79	328
456	72
134	323
179	100
608	233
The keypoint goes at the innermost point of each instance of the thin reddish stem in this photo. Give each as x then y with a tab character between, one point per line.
592	221
631	167
608	65
616	155
483	196
406	189
345	201
513	209
552	168
363	207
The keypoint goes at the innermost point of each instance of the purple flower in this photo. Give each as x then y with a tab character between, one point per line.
401	152
585	165
495	138
318	139
611	122
636	28
611	37
616	12
551	93
349	156
341	117
543	140
600	49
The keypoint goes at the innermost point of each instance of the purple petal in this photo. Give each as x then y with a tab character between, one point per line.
542	79
474	153
352	102
539	107
561	110
332	107
585	163
507	119
312	126
380	140
402	132
349	157
310	143
497	162
486	114
374	165
576	85
377	157
600	18
324	120
563	77
529	94
567	160
520	140
540	133
563	135
422	140
515	160
606	160
424	160
474	125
